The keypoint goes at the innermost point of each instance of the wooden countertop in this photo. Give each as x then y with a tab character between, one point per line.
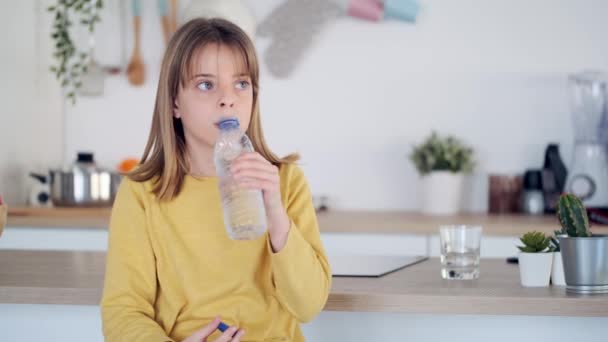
67	277
379	222
98	218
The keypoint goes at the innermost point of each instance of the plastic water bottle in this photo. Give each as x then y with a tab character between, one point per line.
244	213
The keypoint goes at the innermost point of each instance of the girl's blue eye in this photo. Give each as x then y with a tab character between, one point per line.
242	84
205	85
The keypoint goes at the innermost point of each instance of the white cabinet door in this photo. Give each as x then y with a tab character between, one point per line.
335	243
375	244
82	239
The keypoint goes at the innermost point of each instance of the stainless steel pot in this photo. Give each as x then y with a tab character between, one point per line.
585	262
83	184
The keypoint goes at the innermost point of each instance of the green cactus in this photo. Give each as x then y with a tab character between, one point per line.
572	216
535	242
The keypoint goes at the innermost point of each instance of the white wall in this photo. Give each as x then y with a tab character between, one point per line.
30	120
492	72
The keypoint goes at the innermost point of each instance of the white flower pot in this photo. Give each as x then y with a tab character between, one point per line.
557	270
442	192
535	269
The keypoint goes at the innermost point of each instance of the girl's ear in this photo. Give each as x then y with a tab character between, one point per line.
176	113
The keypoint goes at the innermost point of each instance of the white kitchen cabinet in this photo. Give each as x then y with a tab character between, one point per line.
54	239
55	323
375	244
335	243
406	244
491	246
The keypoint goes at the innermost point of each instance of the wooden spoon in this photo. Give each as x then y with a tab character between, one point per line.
136	70
3	210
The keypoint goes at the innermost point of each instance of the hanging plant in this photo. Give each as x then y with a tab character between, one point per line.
71	61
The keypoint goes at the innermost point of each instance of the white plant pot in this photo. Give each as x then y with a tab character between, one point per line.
535	269
442	192
557	270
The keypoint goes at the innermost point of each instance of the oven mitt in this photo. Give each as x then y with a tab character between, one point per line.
292	27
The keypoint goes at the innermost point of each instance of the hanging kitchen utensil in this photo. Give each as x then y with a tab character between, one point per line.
173	16
3	211
293	26
92	81
234	10
165	21
136	69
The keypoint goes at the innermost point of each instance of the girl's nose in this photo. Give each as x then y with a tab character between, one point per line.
226	104
227	99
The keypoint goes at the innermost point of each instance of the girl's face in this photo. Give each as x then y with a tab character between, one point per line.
219	87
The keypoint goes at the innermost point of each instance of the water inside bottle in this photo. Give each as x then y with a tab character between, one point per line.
244	213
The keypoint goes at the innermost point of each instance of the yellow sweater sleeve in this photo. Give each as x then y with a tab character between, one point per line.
127	304
301	272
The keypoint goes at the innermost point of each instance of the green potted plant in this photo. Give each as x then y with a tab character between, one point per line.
585	255
74	66
535	259
442	163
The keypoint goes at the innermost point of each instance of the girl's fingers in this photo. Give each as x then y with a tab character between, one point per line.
237	337
252	160
227	335
206	330
258	185
255	175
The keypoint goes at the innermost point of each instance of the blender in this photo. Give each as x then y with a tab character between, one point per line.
588	174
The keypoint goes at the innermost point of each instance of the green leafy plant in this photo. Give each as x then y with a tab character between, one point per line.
534	242
71	62
572	216
439	153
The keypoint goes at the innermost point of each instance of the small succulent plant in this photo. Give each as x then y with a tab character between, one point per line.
535	242
572	216
439	153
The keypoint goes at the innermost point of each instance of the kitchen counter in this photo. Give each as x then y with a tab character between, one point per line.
377	222
76	278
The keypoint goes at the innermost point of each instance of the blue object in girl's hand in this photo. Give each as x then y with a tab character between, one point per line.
223	327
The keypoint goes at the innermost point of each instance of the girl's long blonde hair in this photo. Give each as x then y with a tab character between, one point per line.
164	160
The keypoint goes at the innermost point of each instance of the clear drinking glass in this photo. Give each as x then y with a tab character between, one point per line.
460	245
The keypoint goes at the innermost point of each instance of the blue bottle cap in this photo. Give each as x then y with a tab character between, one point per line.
227	124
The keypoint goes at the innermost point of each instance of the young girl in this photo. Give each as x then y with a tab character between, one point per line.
172	271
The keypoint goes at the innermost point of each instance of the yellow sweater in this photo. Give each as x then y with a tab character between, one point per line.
171	267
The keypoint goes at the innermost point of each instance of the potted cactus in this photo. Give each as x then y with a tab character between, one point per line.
557	270
535	259
442	163
585	256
